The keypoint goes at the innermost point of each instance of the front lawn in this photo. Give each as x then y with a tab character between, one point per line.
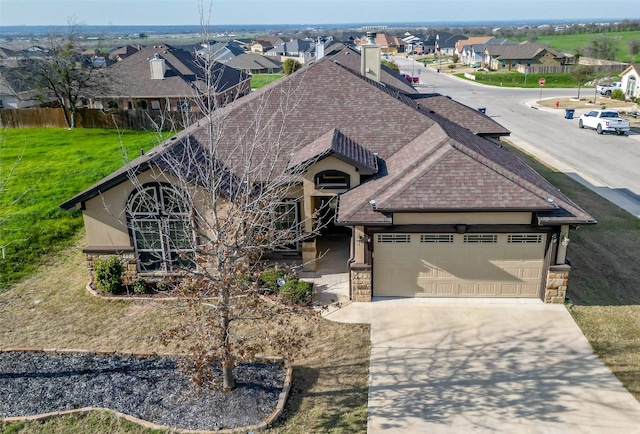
517	79
53	310
42	167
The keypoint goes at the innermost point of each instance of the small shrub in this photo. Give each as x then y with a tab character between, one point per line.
164	286
452	66
109	275
140	286
269	278
618	94
297	291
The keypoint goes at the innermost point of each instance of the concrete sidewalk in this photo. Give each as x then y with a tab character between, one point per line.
486	366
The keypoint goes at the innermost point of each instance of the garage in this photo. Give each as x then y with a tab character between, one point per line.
458	265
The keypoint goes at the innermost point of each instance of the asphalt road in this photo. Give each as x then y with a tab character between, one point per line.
608	164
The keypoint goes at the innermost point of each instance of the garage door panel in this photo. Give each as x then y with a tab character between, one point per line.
467	289
502	265
487	289
445	289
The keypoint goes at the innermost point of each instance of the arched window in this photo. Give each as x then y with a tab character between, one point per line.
162	234
332	179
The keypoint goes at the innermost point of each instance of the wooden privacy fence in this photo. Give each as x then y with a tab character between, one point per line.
612	68
42	117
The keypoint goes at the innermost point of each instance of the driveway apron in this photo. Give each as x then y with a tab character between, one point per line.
444	366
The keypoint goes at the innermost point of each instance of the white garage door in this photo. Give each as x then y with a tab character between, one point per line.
458	265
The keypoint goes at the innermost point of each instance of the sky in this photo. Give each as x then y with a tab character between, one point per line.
231	12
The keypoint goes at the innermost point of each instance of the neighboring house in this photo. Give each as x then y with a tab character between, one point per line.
446	42
219	51
509	56
631	81
471	52
302	50
162	77
431	209
123	52
264	43
254	63
412	44
17	90
477	40
388	44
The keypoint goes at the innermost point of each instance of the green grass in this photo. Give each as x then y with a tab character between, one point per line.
517	79
49	167
569	43
259	80
96	422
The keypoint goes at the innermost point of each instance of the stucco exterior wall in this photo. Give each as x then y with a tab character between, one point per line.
309	189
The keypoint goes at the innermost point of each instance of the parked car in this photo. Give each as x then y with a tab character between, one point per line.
604	121
606	89
409	78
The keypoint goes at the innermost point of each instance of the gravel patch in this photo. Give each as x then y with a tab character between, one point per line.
150	388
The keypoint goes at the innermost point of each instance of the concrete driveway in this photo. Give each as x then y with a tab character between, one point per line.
484	366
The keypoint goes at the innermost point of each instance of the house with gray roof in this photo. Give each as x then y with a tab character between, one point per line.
512	56
254	63
18	89
163	77
428	201
302	50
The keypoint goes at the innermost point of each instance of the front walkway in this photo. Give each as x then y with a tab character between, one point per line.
331	278
485	366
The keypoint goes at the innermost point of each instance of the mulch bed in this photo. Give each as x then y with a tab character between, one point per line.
149	388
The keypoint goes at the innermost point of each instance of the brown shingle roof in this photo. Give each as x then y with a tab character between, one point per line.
183	77
337	144
430	163
350	58
472	119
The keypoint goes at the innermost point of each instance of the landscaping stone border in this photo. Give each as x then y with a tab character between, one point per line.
282	398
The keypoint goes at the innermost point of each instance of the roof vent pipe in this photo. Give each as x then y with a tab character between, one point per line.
371	38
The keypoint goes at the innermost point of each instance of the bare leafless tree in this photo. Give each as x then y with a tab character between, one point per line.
65	74
230	195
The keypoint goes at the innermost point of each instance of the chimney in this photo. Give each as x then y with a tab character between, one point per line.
370	58
158	67
320	49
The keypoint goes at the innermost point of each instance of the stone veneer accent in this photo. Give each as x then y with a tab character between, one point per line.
128	261
361	282
556	286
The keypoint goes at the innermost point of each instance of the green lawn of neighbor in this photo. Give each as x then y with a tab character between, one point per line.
259	80
569	43
42	167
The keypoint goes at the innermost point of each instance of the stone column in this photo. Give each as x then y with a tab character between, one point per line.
361	282
309	255
556	285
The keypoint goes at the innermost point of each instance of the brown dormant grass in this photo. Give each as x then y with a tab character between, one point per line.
53	310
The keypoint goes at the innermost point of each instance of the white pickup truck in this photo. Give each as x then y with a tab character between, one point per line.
604	121
606	89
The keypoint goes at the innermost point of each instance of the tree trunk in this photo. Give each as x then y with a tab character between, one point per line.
66	116
228	382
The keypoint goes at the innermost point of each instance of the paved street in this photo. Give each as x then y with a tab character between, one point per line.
607	164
